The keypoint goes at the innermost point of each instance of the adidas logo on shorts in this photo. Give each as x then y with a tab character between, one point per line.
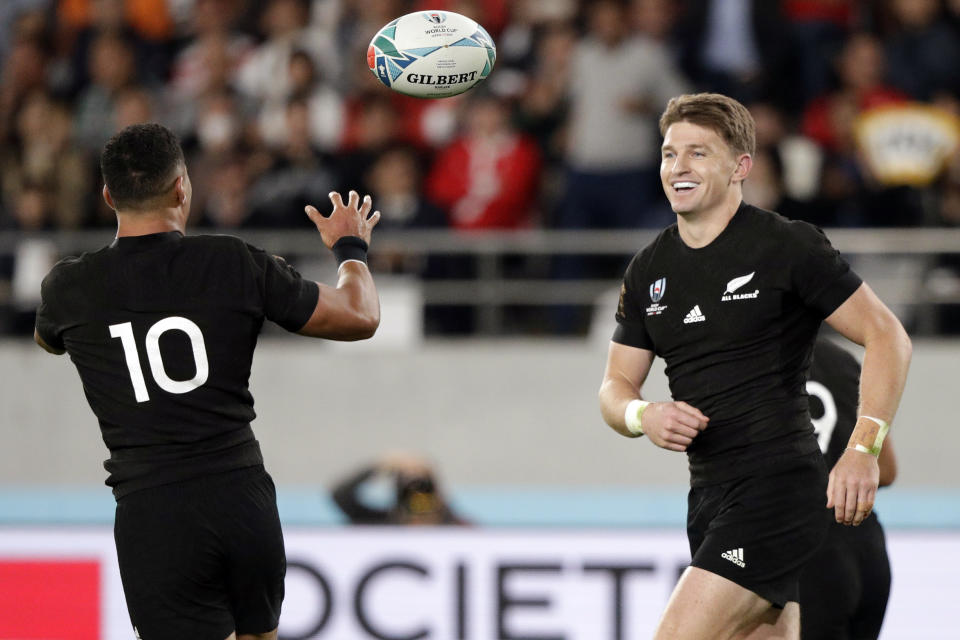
735	556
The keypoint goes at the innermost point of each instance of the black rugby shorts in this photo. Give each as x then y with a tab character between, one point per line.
844	589
202	558
760	530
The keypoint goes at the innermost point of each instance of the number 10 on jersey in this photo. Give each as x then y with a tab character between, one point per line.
124	331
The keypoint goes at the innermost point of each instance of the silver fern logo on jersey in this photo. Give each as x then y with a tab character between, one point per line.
736	283
657	289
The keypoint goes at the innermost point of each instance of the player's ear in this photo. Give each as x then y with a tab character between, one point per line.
180	188
744	164
108	198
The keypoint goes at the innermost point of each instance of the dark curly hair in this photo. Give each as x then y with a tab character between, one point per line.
138	164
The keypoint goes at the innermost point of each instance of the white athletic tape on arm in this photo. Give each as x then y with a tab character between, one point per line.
633	414
877	445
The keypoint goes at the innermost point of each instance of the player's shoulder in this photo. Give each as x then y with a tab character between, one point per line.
667	239
778	226
772	234
664	242
68	265
70	269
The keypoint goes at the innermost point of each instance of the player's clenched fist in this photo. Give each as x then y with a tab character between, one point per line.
673	425
350	219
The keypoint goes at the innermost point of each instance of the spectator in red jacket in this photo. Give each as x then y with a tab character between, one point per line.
861	66
848	194
488	177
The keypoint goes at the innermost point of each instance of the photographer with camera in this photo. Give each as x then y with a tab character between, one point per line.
418	499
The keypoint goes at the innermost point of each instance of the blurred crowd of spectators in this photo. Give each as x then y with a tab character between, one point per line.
275	106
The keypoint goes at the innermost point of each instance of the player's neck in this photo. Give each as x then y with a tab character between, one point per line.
700	228
142	223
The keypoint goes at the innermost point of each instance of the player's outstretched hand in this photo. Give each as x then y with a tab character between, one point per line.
673	425
852	487
351	219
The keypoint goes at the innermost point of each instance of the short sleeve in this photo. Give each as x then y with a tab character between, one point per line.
49	327
631	330
822	278
288	298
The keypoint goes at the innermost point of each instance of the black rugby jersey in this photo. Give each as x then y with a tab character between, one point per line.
735	322
833	386
162	330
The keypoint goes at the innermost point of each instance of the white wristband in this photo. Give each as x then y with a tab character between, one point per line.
633	414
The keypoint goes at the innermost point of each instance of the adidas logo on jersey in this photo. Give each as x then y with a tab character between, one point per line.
735	556
694	315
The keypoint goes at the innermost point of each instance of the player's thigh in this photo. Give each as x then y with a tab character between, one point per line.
831	589
774	624
707	606
171	565
760	531
255	553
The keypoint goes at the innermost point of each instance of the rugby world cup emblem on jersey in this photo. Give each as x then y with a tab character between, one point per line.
657	289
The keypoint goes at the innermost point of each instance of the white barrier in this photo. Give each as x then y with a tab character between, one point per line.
442	584
325	411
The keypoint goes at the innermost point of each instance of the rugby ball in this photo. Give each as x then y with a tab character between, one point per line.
431	54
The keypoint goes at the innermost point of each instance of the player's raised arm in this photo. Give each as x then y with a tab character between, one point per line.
351	310
864	319
670	425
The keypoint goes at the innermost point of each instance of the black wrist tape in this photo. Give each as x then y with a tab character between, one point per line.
350	248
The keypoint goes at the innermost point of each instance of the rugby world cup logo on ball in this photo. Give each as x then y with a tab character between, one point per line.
431	54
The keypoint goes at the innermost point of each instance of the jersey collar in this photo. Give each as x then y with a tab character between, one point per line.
148	240
723	236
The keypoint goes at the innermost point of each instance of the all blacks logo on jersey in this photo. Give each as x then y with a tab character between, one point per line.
736	283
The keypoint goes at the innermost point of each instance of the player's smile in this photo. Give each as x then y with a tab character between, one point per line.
684	186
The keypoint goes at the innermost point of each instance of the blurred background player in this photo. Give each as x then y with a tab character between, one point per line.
198	535
417	498
845	587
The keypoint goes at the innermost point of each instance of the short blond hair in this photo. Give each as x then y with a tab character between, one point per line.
730	119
